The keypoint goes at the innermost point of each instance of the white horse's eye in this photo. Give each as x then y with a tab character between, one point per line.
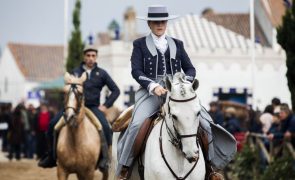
174	117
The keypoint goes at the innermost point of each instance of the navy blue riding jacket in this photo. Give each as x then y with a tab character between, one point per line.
93	85
146	67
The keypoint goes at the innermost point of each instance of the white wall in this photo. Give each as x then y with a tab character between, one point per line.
15	81
231	71
115	58
17	86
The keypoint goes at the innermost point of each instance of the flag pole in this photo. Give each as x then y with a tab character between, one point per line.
253	53
66	7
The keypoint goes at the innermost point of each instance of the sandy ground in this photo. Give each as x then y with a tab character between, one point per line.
28	170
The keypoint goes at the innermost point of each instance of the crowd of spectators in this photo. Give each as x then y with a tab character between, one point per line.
23	130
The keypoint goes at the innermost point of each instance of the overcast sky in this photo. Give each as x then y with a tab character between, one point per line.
42	21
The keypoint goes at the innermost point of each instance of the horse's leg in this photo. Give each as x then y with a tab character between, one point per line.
88	175
61	173
105	175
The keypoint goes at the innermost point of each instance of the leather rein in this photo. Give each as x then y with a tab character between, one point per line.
176	141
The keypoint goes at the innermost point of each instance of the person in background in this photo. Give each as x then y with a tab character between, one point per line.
43	119
266	119
254	124
274	129
232	124
275	102
31	133
16	134
6	118
287	124
216	113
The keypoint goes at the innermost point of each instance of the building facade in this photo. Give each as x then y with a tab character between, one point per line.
23	67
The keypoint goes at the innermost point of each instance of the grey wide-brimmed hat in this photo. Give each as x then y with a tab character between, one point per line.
157	13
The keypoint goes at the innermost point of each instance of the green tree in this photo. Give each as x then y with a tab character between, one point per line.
75	47
246	164
282	168
286	39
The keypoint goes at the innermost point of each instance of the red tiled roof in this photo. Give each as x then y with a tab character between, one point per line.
275	10
239	23
38	62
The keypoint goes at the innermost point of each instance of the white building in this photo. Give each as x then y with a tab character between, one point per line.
222	59
23	67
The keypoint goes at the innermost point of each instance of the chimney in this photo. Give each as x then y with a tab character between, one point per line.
129	24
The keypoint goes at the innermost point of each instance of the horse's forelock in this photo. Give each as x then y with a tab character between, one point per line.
179	77
182	90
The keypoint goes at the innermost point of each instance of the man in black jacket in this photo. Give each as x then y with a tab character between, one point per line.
97	78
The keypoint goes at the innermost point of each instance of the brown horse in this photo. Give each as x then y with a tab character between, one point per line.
79	143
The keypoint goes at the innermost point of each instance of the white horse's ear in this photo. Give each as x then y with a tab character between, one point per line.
83	77
195	84
67	77
168	83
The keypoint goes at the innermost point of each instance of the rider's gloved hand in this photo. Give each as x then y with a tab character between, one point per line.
159	91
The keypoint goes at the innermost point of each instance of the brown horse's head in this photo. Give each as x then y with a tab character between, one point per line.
74	99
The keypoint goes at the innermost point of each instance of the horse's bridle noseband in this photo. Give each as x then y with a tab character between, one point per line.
79	97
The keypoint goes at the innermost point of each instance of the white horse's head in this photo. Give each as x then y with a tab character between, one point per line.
73	97
182	109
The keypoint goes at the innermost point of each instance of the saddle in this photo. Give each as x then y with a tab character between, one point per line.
93	119
122	122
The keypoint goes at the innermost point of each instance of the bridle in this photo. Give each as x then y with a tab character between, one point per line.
79	97
176	139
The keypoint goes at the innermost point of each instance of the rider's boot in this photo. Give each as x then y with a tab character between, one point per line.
104	158
48	161
211	174
124	173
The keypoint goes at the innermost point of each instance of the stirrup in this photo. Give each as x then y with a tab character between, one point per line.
124	173
215	176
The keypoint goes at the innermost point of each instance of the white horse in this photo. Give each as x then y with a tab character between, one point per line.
172	149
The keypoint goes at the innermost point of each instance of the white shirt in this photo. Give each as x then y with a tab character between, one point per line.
160	42
88	71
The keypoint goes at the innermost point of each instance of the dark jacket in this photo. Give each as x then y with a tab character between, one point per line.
287	124
232	125
16	128
94	84
145	66
217	117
